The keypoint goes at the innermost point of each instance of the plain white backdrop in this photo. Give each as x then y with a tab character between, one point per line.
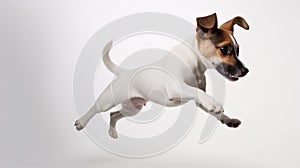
40	42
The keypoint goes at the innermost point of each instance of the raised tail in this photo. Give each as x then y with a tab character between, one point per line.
107	61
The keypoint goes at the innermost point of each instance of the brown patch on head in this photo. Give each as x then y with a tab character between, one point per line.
229	59
224	40
212	47
221	37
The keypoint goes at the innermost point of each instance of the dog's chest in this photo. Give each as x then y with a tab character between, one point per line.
187	65
194	77
192	74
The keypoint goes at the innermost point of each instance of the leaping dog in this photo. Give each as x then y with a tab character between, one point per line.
174	75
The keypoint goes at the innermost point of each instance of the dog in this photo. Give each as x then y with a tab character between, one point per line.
179	76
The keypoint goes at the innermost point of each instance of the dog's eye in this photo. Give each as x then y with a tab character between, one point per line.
224	50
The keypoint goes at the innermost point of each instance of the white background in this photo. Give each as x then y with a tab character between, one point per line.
40	42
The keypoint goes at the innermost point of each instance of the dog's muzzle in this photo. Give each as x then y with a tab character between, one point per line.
232	72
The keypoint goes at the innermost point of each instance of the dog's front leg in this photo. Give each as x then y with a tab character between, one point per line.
187	92
207	103
224	119
219	115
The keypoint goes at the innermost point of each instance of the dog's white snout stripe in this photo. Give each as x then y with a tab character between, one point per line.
235	45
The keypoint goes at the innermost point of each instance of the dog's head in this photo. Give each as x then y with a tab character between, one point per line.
219	46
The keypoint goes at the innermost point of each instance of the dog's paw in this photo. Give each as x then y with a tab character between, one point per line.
113	132
233	123
78	125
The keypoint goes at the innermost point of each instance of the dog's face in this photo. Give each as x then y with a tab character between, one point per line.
219	46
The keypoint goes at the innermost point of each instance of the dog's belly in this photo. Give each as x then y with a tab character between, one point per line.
174	103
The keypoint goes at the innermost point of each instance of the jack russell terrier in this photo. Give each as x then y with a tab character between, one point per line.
174	75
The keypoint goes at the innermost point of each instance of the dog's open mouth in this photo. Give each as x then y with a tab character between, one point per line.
231	77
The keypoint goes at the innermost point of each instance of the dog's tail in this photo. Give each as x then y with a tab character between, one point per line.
107	61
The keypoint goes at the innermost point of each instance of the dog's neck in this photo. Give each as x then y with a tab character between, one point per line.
188	51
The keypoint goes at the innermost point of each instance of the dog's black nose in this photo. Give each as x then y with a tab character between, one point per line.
244	71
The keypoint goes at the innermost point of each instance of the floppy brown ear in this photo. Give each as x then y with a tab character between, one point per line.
208	24
237	20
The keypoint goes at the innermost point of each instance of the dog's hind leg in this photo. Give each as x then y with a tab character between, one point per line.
82	121
114	117
130	107
103	103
